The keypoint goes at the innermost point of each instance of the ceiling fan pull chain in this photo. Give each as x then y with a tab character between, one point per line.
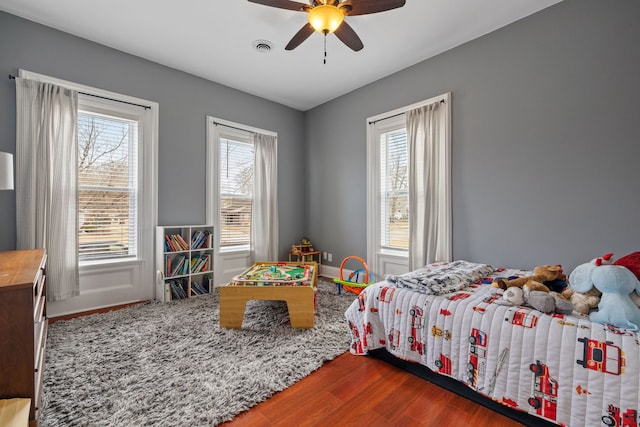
325	48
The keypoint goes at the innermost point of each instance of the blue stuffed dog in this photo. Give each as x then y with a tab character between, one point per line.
616	283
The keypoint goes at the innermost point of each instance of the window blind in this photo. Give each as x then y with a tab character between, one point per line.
236	190
394	190
107	187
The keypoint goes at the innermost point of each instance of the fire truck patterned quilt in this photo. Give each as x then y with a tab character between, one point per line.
562	368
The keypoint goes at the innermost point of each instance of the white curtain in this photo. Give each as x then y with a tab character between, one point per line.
46	180
429	187
264	214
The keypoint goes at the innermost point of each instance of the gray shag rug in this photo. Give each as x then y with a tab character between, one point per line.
170	364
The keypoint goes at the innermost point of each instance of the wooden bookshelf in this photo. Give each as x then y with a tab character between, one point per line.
184	261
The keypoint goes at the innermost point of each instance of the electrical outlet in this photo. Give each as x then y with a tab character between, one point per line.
324	256
329	257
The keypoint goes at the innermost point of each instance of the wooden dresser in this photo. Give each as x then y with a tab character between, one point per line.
23	326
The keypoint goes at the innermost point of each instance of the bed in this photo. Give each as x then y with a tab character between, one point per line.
446	317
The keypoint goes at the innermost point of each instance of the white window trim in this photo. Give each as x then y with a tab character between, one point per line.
148	151
392	123
375	253
240	137
99	106
212	183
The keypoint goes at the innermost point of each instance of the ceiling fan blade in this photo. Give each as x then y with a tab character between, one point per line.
284	4
365	7
300	36
348	36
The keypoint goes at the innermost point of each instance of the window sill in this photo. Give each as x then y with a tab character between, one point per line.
394	253
230	250
105	263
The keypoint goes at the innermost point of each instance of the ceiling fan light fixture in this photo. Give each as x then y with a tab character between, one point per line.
325	18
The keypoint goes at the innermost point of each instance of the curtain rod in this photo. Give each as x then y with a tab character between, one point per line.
233	127
146	107
396	115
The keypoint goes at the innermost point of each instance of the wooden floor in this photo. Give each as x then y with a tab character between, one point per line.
361	391
364	391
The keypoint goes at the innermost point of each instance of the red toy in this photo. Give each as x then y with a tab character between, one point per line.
632	262
352	284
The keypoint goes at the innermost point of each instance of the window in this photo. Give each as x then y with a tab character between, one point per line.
394	190
389	186
117	143
241	195
108	136
391	248
236	156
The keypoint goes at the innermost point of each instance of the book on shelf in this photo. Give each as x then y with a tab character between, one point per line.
194	289
179	289
199	263
200	240
184	285
180	268
205	265
195	239
175	243
183	244
168	244
198	289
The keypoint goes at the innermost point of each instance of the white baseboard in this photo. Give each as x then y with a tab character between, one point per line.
334	272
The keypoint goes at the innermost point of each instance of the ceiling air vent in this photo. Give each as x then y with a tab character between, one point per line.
262	46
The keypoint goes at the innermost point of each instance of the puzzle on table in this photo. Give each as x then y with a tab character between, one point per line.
293	282
277	274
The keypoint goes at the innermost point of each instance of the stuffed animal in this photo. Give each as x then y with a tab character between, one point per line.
546	302
541	274
557	285
616	283
632	262
583	303
586	302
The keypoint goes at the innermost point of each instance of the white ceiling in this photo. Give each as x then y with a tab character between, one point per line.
213	39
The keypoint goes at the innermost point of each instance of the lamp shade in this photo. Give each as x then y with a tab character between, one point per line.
6	171
325	18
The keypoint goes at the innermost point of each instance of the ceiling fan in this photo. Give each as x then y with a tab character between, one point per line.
327	16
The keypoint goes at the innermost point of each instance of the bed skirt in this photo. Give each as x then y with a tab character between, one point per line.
458	388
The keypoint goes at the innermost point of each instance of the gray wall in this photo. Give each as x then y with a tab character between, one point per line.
545	140
545	148
184	101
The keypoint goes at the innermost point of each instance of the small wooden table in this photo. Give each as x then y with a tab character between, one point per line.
293	282
305	255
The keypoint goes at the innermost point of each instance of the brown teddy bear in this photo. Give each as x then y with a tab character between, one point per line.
541	274
583	302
